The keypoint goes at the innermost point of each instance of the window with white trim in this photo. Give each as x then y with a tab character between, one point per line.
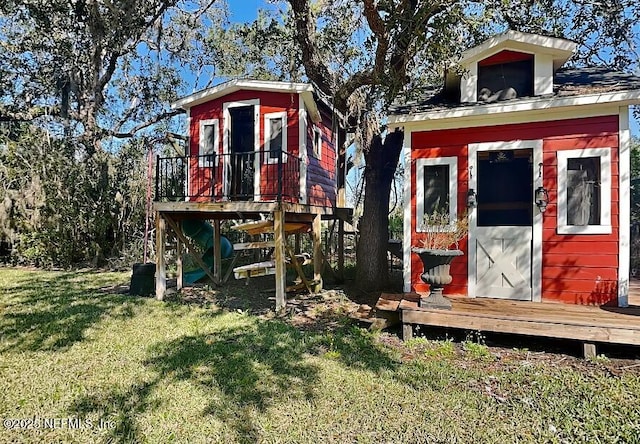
436	190
208	142
584	191
275	136
317	142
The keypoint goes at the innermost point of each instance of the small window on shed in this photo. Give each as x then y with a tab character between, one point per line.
317	142
584	191
208	145
436	190
504	76
275	136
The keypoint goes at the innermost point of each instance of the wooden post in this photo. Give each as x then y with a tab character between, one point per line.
217	252
317	251
341	250
589	349
297	243
407	331
161	266
179	253
281	268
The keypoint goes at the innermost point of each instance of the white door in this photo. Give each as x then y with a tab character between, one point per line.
505	226
503	262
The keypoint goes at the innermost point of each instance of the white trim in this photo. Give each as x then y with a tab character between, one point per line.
282	115
452	162
226	122
316	142
542	74
202	142
468	85
434	119
605	189
561	48
302	143
187	153
537	223
624	221
305	90
406	226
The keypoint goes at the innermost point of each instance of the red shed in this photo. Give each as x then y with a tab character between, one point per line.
261	141
539	157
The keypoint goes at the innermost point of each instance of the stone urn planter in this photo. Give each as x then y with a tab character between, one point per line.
436	265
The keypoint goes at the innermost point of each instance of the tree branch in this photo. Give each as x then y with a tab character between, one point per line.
135	129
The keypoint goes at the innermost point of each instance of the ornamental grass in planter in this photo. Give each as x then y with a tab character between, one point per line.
440	235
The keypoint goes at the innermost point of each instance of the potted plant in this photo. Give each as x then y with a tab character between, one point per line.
436	254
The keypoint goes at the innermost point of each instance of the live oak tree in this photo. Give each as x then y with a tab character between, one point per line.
85	88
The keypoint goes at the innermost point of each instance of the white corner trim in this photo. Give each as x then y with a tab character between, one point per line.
202	143
282	115
624	201
452	162
226	125
302	143
406	226
605	189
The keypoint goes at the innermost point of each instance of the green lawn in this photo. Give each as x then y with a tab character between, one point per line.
150	371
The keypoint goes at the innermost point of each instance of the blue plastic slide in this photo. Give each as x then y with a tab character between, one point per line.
202	234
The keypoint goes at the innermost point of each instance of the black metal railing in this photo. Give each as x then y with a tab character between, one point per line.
229	177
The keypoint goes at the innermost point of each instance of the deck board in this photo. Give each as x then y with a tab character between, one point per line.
586	323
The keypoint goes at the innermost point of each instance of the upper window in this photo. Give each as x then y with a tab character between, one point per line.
505	75
208	146
584	191
317	142
436	191
275	136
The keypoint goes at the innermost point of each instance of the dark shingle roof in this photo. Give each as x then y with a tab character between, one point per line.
567	83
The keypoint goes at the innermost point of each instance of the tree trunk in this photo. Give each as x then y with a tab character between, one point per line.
381	160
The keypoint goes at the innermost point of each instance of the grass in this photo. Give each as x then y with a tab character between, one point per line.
150	371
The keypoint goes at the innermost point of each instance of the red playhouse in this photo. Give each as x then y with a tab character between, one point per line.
538	156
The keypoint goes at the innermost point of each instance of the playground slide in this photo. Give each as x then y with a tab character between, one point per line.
202	233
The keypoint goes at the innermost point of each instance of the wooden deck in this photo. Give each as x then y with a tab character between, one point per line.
583	323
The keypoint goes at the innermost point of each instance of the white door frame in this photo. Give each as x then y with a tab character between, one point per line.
226	146
536	259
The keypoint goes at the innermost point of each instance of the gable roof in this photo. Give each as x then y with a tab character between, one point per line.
560	49
304	89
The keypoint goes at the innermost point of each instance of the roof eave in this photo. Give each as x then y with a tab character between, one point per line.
619	97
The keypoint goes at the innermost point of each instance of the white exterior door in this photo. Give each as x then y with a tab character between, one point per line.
503	262
505	228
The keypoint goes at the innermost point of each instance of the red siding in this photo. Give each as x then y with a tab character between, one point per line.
578	269
270	102
321	172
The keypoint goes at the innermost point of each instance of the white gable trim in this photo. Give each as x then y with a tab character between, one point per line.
305	90
520	41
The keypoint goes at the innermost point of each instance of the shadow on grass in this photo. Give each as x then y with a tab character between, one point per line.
53	310
242	371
